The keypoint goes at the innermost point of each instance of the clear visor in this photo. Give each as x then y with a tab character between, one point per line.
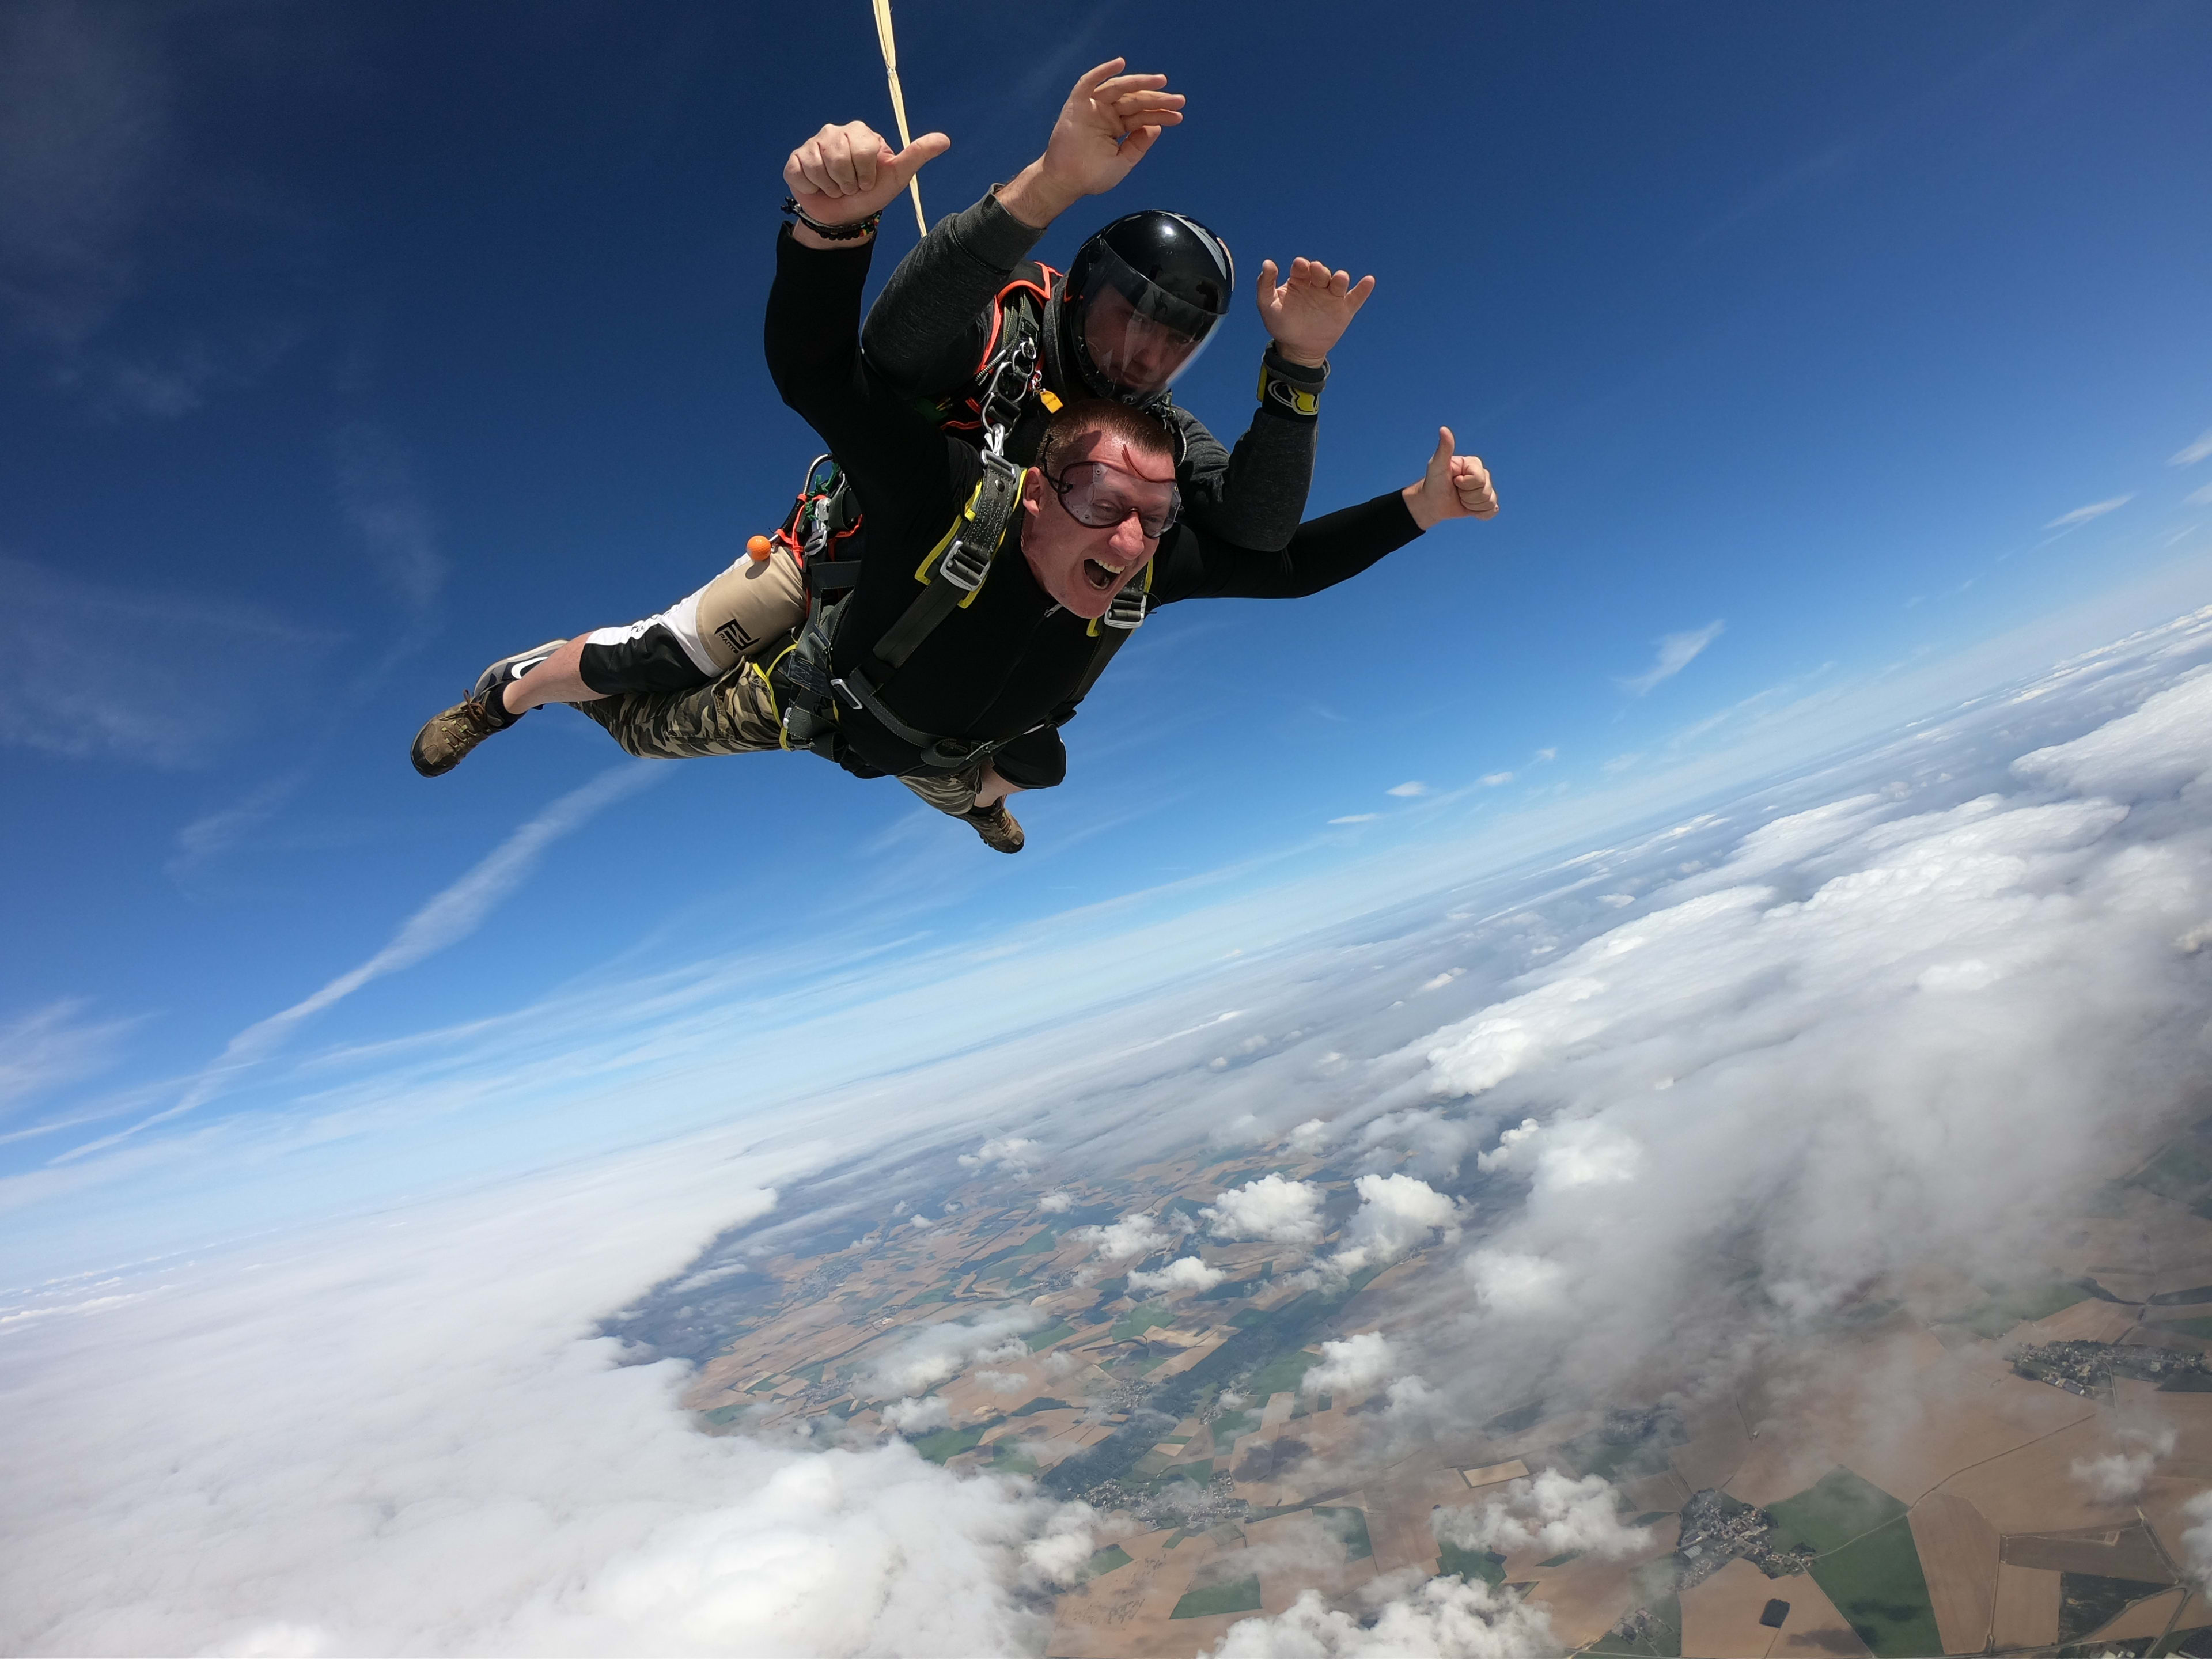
1138	335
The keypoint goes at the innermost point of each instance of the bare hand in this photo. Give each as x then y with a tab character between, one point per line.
842	174
1454	487
1307	314
1106	126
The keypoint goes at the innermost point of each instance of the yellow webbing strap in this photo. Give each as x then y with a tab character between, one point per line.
966	516
1098	623
898	98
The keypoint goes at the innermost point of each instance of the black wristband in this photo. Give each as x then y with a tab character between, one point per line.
1291	388
851	232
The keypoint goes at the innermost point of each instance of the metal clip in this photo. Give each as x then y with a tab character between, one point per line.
1015	376
1128	610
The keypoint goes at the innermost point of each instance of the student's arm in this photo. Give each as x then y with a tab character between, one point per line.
1192	563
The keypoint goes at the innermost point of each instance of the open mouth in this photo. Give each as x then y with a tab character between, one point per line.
1102	577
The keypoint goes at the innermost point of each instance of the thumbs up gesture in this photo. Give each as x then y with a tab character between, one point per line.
842	174
1453	487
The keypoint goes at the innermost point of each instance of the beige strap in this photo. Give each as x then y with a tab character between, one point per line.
898	100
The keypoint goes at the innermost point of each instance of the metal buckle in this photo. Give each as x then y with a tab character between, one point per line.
1126	612
845	694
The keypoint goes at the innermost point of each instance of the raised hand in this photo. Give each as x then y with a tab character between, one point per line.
1453	487
1106	126
1307	315
842	174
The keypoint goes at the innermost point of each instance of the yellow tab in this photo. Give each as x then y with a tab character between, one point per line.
1044	396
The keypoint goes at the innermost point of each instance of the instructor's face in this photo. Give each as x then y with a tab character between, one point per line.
1082	568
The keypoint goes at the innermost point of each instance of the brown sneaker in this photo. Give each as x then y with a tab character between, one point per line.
1000	830
446	739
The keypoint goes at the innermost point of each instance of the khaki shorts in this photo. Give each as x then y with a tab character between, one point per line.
751	611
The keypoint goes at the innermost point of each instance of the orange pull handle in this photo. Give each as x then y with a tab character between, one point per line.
760	547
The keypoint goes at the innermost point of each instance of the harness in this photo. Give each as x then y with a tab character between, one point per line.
951	575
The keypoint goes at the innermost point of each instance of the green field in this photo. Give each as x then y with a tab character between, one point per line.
1237	1595
1041	1406
1039	1341
1349	1525
1866	1561
948	1443
1104	1561
1139	1320
1230	1424
1282	1374
1487	1565
2014	1304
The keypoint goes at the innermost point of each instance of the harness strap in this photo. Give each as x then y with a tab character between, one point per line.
963	561
1123	617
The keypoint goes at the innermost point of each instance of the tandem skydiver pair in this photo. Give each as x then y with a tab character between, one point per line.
990	403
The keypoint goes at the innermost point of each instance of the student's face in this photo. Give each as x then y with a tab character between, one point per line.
1083	568
1136	352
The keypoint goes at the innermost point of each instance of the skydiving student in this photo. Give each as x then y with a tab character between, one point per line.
954	662
1139	302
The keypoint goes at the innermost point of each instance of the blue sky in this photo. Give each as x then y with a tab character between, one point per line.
346	349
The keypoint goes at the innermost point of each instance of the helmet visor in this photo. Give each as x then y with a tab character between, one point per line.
1137	334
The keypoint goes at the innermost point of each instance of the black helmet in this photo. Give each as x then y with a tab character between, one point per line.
1140	300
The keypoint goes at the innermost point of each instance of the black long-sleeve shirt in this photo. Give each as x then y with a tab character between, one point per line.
933	322
1011	659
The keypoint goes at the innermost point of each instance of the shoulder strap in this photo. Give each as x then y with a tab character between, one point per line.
962	560
1123	617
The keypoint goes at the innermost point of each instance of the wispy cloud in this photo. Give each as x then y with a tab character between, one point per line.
1547	754
377	486
52	1046
1676	653
1411	787
2189	454
214	832
1357	818
2199	497
186	686
447	919
1492	780
2083	514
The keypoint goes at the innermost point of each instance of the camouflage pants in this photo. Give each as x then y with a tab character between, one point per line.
735	714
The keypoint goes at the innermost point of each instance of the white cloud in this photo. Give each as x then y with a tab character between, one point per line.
1056	1203
377	486
1310	1137
1357	818
1013	1153
1551	1512
2117	1477
1132	1237
1492	780
2189	455
931	1354
1508	1283
1396	1214
1405	1618
1676	652
1058	1556
1547	755
2083	514
1184	1274
2197	1540
400	1435
1272	1208
1411	787
917	1416
1356	1365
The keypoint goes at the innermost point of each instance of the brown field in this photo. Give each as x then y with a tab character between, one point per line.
2084	1322
1720	1617
2033	1489
1959	1554
2028	1608
1716	1448
2110	1552
1586	1597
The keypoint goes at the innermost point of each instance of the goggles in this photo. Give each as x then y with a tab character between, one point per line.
1101	496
